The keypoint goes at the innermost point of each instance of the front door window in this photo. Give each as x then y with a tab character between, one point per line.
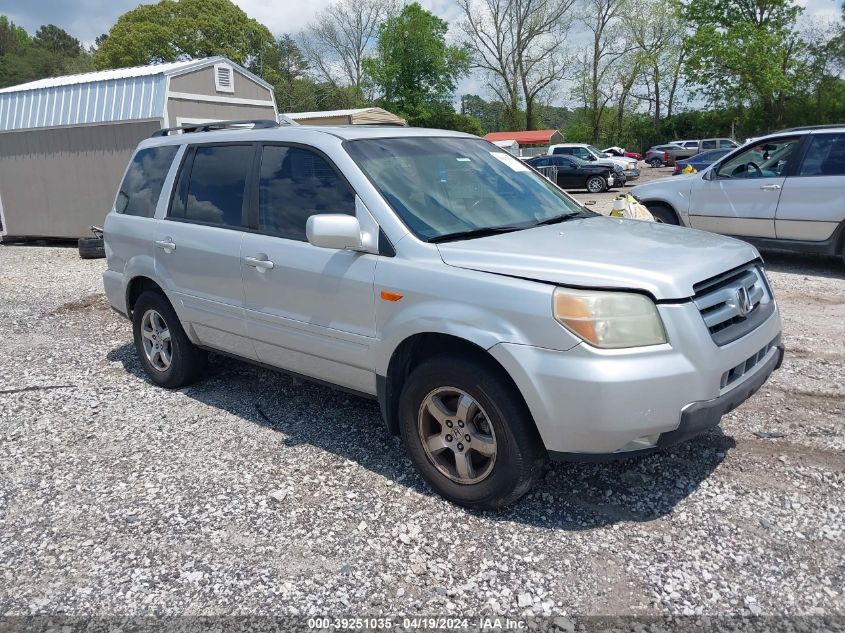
767	160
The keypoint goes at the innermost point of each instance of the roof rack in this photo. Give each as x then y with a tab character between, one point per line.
257	124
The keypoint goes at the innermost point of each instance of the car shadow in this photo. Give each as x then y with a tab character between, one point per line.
800	264
569	496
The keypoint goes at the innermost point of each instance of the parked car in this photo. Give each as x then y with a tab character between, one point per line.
573	173
619	151
688	151
496	321
686	144
593	155
700	161
658	156
784	191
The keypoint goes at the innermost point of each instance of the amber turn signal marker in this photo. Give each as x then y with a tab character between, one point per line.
390	296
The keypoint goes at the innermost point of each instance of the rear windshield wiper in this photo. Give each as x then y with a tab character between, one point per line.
477	232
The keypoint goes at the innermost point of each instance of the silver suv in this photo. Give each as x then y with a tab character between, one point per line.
496	321
783	191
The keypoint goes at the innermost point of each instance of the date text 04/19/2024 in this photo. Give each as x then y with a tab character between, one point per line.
485	623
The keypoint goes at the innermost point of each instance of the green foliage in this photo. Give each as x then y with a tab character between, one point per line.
444	117
52	52
745	52
414	69
187	29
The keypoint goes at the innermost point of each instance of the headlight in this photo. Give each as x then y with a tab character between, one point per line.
609	319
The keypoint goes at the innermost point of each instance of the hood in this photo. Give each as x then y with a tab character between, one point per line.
602	252
624	163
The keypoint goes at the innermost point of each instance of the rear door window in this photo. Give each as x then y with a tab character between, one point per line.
212	185
708	144
141	187
825	156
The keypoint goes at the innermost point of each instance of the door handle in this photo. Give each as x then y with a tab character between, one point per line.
260	264
166	245
770	187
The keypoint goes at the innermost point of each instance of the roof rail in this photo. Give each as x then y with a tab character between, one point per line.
257	124
808	128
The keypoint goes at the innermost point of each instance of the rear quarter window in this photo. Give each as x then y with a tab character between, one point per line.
141	187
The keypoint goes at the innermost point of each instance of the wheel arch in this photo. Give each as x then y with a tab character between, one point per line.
414	350
136	287
649	204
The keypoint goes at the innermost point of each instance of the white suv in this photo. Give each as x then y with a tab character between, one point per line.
496	320
784	191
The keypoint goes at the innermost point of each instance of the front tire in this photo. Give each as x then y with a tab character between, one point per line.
663	214
166	354
469	433
596	184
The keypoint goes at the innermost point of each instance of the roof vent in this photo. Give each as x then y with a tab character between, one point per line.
224	78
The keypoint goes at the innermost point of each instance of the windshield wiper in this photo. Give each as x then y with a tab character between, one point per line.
476	232
564	217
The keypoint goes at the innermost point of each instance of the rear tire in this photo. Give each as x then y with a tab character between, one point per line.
655	162
91	248
663	214
166	354
596	184
448	397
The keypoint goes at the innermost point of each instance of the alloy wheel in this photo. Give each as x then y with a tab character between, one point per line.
457	435
158	346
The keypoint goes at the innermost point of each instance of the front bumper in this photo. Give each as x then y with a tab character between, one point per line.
696	418
591	404
632	174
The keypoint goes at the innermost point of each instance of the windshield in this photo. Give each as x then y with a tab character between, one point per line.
441	186
595	151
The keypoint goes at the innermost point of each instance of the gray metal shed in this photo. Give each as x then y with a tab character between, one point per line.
65	141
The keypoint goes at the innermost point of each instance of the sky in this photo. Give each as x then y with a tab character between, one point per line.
86	19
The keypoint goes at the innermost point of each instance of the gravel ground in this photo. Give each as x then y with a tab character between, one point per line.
253	493
603	202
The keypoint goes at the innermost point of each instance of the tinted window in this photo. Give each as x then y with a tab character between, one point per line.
144	179
825	156
295	184
543	162
708	144
215	192
562	150
563	162
726	143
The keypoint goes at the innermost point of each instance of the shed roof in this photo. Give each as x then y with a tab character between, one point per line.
356	115
120	94
530	137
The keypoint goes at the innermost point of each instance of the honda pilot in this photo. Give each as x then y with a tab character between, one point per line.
497	322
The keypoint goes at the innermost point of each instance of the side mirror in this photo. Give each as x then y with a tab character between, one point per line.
336	231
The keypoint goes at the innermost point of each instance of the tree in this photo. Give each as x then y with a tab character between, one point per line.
187	29
520	44
12	37
607	48
55	40
414	69
338	39
745	51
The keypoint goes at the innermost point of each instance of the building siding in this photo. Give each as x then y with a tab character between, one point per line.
201	82
205	110
58	182
113	100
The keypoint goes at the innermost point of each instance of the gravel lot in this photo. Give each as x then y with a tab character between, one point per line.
252	493
603	202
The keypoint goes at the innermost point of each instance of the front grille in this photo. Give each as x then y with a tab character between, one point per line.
735	373
734	303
